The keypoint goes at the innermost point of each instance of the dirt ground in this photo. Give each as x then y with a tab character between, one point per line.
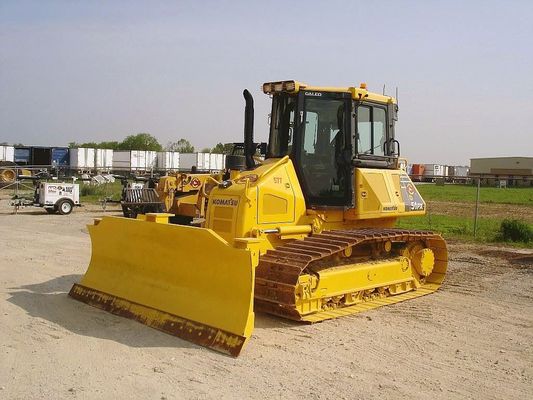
472	339
486	210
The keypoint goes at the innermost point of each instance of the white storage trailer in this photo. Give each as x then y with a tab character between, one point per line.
168	160
217	161
82	158
7	153
134	160
457	171
435	170
104	159
202	161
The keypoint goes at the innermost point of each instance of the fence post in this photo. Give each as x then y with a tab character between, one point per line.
477	207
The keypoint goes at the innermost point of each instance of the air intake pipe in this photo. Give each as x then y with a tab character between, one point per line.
249	146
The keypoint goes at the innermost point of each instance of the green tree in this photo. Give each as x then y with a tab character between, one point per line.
73	145
222	148
205	150
92	145
113	145
140	141
182	145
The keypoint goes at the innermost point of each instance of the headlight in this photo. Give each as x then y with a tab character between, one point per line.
276	87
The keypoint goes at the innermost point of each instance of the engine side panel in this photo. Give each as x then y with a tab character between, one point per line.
383	193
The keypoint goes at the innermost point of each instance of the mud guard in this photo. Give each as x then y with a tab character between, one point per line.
185	281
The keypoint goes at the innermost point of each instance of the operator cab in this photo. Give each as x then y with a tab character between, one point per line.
329	131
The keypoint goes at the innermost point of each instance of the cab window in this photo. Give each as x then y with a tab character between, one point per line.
371	130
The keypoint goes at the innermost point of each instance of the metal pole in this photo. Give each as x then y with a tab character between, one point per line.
16	181
477	206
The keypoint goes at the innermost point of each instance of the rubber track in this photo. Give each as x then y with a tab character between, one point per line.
278	270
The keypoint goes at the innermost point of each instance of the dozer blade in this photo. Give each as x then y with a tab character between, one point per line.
185	281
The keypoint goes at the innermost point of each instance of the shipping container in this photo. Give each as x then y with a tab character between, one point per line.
168	160
417	172
7	153
435	170
82	158
41	156
49	156
456	171
60	157
451	170
204	161
462	171
104	159
201	161
216	162
188	160
22	155
134	160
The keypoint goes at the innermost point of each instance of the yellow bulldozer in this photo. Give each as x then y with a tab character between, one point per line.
307	234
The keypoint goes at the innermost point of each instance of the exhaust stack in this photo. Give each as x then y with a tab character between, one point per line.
249	146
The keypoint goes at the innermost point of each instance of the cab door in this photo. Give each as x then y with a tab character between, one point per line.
322	151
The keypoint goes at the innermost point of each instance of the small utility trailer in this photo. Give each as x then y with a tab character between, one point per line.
53	197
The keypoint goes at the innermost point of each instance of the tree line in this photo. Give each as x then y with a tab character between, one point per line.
145	141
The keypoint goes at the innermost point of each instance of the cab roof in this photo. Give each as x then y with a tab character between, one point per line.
357	93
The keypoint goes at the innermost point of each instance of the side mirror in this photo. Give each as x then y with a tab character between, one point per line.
395	148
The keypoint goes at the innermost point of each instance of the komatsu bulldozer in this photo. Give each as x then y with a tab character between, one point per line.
307	234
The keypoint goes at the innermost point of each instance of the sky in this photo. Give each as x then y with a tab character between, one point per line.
101	70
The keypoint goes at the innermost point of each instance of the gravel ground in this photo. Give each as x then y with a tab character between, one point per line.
471	339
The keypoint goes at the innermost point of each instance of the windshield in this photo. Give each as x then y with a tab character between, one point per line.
281	125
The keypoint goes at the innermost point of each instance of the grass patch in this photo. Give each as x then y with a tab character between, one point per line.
515	231
454	227
467	193
95	193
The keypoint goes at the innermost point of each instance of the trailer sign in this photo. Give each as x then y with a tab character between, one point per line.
52	189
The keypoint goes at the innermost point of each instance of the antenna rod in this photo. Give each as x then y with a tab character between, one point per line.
397	101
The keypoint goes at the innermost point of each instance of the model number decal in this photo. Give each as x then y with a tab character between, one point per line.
415	206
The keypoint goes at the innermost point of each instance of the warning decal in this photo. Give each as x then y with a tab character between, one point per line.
411	198
195	183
